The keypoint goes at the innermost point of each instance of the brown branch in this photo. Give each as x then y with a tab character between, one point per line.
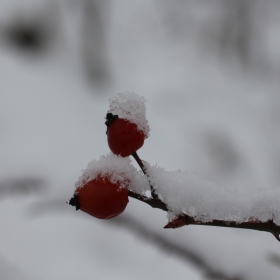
153	202
184	220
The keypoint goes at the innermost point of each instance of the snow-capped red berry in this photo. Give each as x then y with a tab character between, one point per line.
102	189
127	127
101	198
124	138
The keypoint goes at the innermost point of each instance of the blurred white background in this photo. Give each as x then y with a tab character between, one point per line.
209	71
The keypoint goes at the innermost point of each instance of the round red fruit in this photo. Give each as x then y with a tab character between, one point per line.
124	138
101	198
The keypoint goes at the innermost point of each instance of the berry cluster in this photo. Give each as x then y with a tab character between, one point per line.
101	195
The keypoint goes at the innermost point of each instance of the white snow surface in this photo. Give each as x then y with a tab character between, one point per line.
118	170
130	106
190	193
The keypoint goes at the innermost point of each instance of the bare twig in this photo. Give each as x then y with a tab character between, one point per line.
153	202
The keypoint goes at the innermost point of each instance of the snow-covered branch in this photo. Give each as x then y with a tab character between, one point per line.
184	219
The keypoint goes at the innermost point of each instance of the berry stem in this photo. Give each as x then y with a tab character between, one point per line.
140	163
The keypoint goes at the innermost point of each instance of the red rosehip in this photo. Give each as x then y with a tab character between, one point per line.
124	138
101	198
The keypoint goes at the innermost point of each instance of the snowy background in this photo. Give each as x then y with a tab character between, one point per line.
209	71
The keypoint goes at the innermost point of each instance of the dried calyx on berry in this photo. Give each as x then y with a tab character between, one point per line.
74	201
109	119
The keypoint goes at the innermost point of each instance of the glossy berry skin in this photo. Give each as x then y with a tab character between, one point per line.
102	199
124	138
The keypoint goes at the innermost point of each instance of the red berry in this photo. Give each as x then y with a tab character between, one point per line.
101	198
124	138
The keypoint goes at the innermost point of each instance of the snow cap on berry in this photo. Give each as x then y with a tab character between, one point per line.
117	169
130	106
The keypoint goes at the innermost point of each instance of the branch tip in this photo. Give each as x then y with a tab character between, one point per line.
276	235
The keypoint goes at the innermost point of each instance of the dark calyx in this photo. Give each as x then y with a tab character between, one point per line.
109	119
74	202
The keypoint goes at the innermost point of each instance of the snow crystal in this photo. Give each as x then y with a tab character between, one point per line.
130	106
117	169
191	194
